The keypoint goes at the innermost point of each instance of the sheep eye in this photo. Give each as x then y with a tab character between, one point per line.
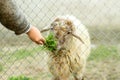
68	32
56	23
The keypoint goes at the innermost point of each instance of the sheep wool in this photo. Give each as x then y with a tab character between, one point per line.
73	48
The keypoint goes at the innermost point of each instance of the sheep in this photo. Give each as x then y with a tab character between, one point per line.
73	48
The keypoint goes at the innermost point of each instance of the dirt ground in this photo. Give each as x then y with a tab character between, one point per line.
104	70
36	68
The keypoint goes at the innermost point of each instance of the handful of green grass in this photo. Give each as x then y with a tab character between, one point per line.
51	43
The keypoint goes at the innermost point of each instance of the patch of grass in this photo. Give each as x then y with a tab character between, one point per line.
1	67
21	77
43	76
24	53
20	54
103	52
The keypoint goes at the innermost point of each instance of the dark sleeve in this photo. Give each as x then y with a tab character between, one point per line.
12	18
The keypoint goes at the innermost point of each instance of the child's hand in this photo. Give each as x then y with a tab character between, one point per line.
35	35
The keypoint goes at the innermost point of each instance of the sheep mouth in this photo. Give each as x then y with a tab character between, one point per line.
61	41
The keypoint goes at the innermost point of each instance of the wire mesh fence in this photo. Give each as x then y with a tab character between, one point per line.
20	56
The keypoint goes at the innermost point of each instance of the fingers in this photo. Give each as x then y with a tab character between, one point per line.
35	35
41	41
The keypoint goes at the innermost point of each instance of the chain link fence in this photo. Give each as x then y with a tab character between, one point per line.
20	56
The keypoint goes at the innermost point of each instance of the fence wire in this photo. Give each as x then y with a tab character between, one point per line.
20	56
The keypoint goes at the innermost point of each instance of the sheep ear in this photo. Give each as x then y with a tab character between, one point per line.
69	22
57	19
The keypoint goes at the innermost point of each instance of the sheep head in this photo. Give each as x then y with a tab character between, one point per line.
62	29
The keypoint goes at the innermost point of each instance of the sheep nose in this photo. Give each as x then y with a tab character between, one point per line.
58	33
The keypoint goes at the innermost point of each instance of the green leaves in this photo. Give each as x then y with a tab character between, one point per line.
51	43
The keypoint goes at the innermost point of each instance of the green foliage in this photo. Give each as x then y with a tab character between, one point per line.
23	53
19	78
103	52
51	43
20	54
1	67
